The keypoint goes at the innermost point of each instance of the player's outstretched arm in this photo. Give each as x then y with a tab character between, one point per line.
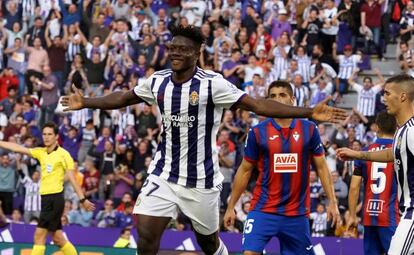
353	201
15	147
239	186
273	109
377	156
326	181
115	100
86	203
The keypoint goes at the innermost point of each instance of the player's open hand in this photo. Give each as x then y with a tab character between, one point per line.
229	217
73	102
333	213
89	206
352	223
323	112
346	154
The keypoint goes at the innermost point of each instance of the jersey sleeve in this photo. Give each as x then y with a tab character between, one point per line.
144	91
316	143
359	165
410	140
251	150
225	94
68	163
36	153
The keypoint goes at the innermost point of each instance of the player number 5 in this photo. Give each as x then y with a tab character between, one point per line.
377	174
248	226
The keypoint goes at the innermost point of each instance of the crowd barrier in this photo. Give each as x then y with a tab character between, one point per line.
104	238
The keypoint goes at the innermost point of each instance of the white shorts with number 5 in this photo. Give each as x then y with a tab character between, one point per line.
161	198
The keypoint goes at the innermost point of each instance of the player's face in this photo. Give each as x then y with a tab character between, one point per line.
392	98
281	95
49	137
183	54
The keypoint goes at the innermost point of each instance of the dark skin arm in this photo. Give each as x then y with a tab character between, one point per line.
273	109
115	100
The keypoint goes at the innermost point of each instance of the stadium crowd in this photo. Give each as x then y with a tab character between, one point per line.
103	46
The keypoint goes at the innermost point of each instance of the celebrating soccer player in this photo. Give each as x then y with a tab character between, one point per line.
55	162
282	150
398	99
380	206
185	171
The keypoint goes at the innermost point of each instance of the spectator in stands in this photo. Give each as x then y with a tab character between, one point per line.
49	88
70	138
37	31
233	67
312	25
123	240
123	183
371	20
256	88
300	91
226	161
7	184
56	49
124	219
367	94
16	217
406	58
16	60
87	136
319	224
37	59
106	217
315	190
90	179
348	63
341	190
32	203
71	15
79	216
7	79
407	22
147	122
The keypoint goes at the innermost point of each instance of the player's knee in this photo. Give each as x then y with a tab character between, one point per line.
208	244
59	241
39	237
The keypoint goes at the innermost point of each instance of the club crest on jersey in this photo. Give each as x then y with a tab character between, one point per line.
285	162
399	144
194	98
296	136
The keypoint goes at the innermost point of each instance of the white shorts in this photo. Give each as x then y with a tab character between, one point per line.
161	198
402	242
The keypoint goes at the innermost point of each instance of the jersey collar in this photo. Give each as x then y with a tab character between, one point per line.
278	127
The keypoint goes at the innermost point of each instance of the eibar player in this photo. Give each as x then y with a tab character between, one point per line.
185	172
282	150
398	99
380	206
55	162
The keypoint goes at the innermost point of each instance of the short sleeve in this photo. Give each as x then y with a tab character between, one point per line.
225	94
410	140
251	150
359	166
68	163
316	143
144	90
357	87
36	153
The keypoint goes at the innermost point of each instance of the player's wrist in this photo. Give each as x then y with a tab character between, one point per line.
82	200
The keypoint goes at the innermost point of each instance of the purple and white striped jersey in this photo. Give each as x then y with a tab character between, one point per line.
403	148
191	115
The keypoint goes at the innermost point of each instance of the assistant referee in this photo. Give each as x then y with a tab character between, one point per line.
55	162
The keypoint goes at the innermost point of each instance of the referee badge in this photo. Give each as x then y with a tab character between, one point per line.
194	98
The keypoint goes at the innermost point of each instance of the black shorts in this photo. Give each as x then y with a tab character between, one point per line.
51	212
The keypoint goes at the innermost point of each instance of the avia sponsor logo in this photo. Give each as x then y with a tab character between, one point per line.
177	120
285	162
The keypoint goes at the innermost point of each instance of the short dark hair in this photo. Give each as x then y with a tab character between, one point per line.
281	84
386	123
368	78
405	81
124	230
51	125
191	32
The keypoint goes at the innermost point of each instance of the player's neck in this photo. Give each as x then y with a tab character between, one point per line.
403	116
183	76
51	147
384	136
283	123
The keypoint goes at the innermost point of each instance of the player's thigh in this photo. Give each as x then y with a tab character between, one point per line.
402	241
385	235
294	236
372	241
202	207
52	207
157	198
259	228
